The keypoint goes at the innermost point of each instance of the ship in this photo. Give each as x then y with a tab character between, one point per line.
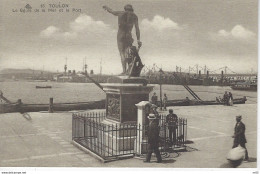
245	85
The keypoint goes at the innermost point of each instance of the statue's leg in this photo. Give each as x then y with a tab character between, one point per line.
121	49
122	54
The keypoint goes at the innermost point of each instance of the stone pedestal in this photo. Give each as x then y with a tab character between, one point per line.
143	109
122	97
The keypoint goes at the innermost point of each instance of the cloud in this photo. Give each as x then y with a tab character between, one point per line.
49	31
85	22
159	23
223	33
83	25
240	32
237	32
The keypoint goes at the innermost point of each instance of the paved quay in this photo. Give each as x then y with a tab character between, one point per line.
44	140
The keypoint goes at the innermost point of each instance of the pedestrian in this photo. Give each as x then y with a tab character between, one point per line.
155	112
165	99
230	101
239	135
172	124
154	99
225	98
153	139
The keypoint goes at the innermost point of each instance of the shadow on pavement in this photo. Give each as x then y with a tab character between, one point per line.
189	142
235	164
252	160
231	164
168	161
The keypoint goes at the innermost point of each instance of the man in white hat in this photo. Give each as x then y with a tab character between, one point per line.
239	135
153	139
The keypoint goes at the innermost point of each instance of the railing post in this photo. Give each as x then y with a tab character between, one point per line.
72	124
84	129
102	140
112	139
116	139
183	130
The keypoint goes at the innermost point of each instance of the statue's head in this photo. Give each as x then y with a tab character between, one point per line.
129	7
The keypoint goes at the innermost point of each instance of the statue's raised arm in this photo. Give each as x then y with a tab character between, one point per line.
116	13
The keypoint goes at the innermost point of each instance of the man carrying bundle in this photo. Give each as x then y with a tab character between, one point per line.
239	135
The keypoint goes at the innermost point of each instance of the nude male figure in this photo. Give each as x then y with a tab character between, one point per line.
126	20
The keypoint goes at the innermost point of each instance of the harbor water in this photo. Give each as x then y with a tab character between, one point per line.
83	92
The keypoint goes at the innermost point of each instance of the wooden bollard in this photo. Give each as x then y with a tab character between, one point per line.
19	101
51	105
19	106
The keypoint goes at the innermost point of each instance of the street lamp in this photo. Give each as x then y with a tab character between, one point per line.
160	81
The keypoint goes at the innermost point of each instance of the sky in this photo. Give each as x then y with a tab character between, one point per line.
183	33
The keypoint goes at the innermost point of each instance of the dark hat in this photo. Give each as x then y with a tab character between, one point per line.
128	7
170	110
151	117
239	116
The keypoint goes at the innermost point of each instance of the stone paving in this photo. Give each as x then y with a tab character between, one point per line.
44	140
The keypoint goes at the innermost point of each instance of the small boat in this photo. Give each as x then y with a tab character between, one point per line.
40	87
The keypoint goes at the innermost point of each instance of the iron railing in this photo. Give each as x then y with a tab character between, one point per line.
111	141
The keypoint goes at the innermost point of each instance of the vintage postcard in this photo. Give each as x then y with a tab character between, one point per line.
128	84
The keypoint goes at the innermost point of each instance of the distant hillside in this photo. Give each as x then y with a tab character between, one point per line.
22	71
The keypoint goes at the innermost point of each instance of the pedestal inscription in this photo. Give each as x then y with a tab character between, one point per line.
121	100
113	106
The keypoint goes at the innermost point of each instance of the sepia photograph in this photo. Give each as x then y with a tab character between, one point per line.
137	84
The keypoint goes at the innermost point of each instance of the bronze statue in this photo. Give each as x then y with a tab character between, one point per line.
129	54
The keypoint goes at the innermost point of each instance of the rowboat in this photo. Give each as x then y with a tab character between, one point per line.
41	87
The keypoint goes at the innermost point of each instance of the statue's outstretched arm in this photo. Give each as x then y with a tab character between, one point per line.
116	13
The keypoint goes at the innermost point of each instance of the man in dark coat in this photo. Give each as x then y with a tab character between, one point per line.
239	135
154	99
172	121
153	139
225	98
